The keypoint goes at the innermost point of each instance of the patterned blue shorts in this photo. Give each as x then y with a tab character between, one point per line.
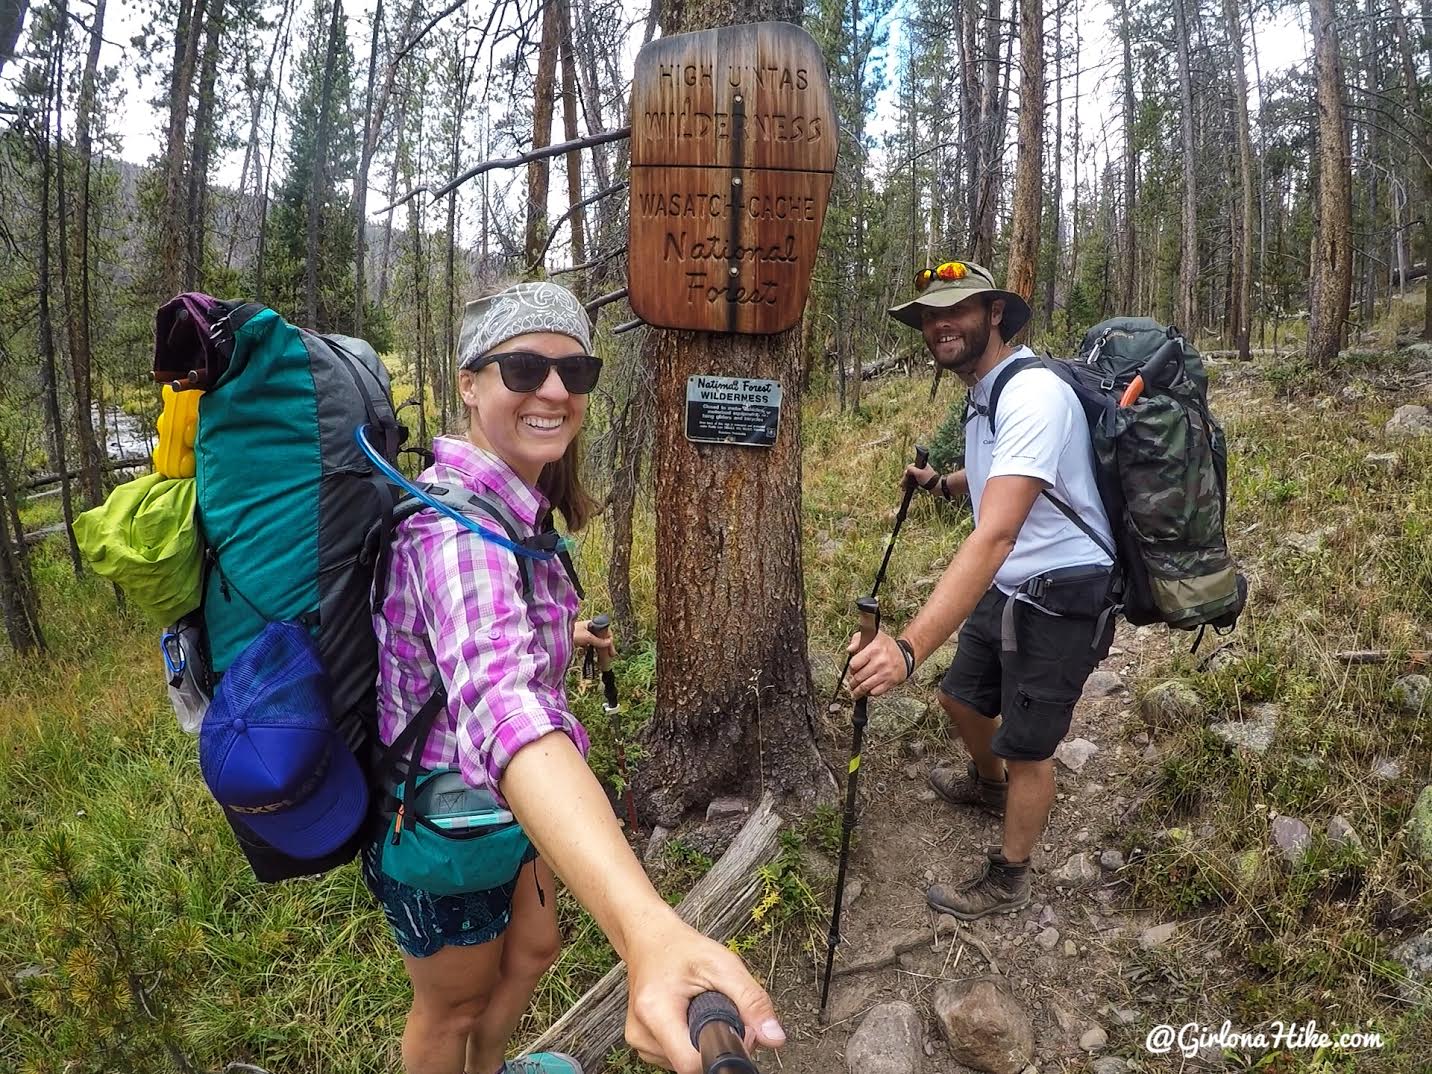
424	923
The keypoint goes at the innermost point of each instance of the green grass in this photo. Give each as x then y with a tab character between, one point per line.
1315	936
121	875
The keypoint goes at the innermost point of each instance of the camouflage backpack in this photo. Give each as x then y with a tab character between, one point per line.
1161	468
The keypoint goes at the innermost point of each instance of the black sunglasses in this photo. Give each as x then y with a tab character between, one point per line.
524	371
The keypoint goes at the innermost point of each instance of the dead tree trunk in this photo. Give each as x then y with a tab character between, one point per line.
197	217
1186	303
1128	247
578	222
257	89
1331	279
360	182
991	140
385	261
1262	185
1421	123
631	434
1242	260
375	108
1056	205
1367	278
856	279
539	171
318	186
189	23
18	604
735	705
1029	172
49	381
82	355
968	150
268	170
62	216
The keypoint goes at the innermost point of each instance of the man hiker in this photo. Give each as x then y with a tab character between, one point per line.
1019	667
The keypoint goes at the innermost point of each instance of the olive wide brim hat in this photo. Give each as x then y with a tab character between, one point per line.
951	284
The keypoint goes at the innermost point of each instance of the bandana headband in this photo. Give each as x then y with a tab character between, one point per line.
517	310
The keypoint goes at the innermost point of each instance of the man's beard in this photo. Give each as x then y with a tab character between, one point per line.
974	345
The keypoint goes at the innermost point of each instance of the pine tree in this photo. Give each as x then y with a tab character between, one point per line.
320	153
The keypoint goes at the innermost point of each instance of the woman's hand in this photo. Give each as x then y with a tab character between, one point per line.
669	966
582	637
565	811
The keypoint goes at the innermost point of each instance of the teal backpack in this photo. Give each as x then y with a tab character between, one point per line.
298	496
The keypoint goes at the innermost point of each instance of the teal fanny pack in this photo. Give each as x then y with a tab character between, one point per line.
448	838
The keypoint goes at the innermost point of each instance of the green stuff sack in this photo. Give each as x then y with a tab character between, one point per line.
145	540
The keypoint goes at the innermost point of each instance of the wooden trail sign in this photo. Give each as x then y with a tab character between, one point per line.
733	150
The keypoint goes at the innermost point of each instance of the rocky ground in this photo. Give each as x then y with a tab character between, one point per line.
1048	988
1076	982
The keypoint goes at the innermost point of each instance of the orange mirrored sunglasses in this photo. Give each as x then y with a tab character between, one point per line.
949	271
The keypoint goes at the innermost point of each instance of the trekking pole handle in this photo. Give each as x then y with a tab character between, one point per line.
601	627
868	611
1151	370
719	1035
922	458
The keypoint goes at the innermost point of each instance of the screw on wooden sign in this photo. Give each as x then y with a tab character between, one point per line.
733	150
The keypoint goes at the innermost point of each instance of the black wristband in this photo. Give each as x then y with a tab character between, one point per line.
908	651
935	479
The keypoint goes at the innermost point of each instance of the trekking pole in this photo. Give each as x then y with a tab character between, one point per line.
922	456
601	627
1149	372
717	1033
869	609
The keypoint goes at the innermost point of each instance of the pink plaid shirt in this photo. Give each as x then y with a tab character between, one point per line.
455	610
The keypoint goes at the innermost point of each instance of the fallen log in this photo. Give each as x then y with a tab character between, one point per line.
719	905
42	480
1415	272
1382	656
1254	352
878	367
34	537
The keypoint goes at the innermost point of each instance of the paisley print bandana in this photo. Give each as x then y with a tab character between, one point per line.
514	311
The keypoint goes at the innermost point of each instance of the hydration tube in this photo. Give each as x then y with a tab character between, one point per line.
389	471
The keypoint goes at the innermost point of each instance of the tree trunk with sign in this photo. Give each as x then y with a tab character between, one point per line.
735	704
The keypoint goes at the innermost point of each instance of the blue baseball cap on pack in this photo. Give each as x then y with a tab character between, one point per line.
270	753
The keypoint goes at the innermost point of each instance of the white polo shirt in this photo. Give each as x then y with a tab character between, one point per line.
1042	434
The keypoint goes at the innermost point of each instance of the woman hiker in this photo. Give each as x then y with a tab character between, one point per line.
458	613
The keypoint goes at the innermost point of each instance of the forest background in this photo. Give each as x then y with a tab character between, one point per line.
1257	173
1158	158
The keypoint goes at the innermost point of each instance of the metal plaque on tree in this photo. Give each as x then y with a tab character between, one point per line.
733	149
733	410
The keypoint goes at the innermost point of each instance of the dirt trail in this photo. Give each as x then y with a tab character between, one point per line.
1068	983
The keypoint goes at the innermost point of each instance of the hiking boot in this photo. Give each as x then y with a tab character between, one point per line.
1001	888
971	789
542	1063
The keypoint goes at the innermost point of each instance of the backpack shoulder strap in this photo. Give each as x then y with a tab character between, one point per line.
1084	527
469	503
1005	376
412	739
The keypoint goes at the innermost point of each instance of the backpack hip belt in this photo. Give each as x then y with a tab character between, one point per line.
1082	592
